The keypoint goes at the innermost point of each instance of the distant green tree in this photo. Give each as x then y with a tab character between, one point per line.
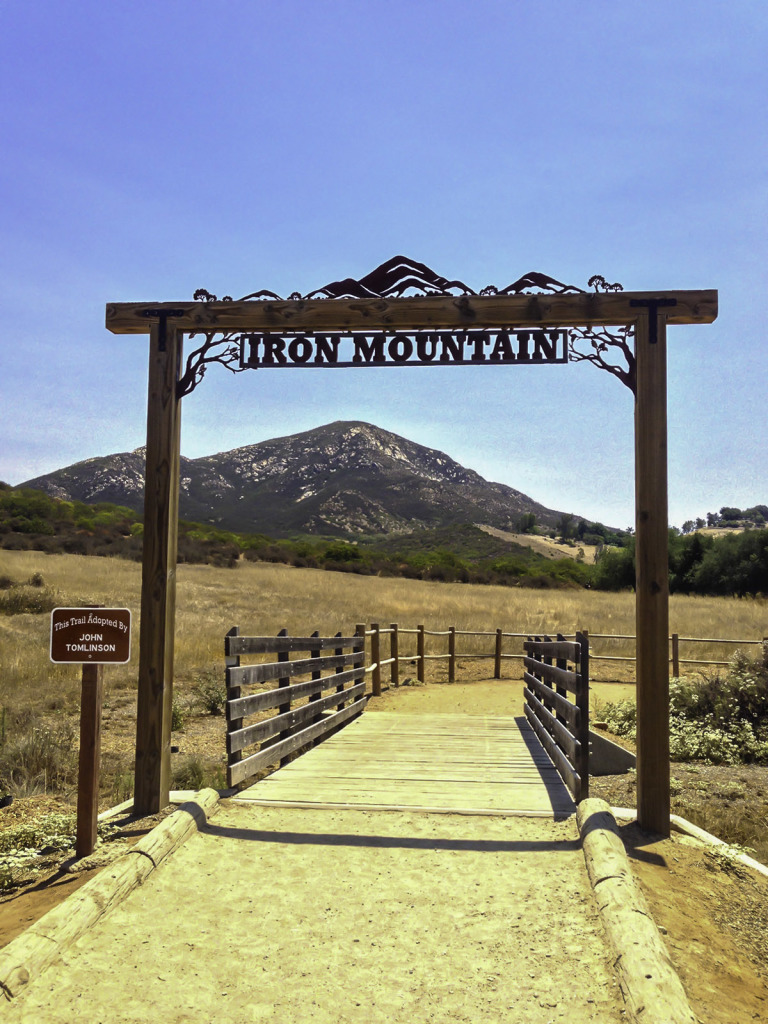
615	569
565	527
526	522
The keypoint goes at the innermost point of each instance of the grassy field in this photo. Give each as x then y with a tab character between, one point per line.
262	598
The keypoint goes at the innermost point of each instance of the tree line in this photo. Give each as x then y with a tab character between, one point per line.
699	563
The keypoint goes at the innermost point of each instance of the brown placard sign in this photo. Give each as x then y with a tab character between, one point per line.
95	636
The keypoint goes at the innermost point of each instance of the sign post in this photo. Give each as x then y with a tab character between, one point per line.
93	637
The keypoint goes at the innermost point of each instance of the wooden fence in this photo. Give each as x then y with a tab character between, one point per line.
303	715
499	643
562	725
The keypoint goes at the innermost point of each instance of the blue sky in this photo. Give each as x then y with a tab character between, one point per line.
149	149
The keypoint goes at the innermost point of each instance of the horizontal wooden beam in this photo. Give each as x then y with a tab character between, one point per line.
561	649
551	698
242	707
552	674
235	645
247	675
571	778
260	731
423	312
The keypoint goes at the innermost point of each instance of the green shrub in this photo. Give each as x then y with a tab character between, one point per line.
178	715
722	719
40	759
21	845
195	773
209	692
23	598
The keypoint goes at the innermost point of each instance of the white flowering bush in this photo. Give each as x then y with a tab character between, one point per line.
25	847
721	719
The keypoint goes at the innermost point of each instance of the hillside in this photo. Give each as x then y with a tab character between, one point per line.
343	479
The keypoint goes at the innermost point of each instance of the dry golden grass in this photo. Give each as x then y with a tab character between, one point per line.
264	598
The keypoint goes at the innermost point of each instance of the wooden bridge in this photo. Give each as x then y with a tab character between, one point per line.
436	762
533	765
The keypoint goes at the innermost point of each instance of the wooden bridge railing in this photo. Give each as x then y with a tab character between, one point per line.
561	724
302	714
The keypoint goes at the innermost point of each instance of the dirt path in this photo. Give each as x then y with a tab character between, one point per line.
331	916
277	914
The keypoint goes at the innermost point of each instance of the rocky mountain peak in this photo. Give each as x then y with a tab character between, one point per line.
347	477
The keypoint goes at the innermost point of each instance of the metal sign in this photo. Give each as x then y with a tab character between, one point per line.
404	348
98	636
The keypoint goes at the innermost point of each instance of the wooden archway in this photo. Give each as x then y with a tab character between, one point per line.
359	308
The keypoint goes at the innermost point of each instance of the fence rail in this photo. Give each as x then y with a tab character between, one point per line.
375	632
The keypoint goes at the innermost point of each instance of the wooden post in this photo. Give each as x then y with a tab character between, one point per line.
376	660
158	579
451	654
561	690
92	696
340	686
497	656
360	631
652	575
582	701
313	697
233	693
394	653
282	709
675	656
420	651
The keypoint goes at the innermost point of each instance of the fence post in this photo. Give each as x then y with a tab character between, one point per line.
394	653
451	654
376	660
360	631
233	692
420	654
315	675
497	656
284	708
582	700
675	656
561	690
340	686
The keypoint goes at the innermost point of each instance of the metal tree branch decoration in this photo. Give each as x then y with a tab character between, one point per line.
605	344
401	277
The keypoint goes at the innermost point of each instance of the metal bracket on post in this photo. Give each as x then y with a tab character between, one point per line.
162	316
653	306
